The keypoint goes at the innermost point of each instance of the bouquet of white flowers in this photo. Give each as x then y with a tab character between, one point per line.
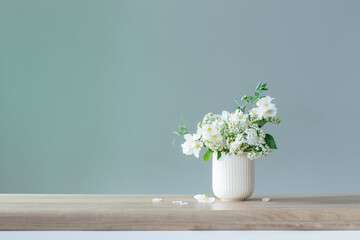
237	132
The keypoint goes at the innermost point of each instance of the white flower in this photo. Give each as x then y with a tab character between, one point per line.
209	130
225	116
192	145
215	138
211	135
238	116
187	150
187	146
202	198
266	108
234	147
197	148
270	111
251	136
253	155
264	102
256	113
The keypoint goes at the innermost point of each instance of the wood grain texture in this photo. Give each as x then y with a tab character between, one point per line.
137	212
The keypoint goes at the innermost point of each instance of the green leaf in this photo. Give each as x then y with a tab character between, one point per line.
177	133
218	155
208	154
183	130
258	87
261	122
253	98
270	141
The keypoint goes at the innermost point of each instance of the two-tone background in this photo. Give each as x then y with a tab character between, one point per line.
90	91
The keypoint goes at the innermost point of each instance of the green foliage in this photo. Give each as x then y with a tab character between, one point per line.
218	155
260	88
270	141
182	130
262	122
208	154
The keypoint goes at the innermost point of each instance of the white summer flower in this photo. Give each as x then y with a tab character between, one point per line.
215	138
251	136
234	147
238	116
225	116
197	148
211	134
209	130
191	145
256	113
187	149
264	102
266	108
270	111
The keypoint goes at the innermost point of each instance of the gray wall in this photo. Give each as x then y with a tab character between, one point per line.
91	90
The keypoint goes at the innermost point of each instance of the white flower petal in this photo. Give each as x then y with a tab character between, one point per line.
199	196
211	200
156	200
264	102
269	111
197	152
225	116
188	137
202	198
180	202
187	149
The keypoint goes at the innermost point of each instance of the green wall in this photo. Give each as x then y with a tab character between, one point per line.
91	90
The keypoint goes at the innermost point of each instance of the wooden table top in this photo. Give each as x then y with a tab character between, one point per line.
137	212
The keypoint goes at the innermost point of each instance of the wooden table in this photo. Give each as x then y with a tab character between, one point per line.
137	212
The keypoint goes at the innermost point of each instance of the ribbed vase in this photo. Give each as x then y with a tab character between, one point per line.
232	176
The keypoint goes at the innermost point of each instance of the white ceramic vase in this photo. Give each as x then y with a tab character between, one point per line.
232	176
